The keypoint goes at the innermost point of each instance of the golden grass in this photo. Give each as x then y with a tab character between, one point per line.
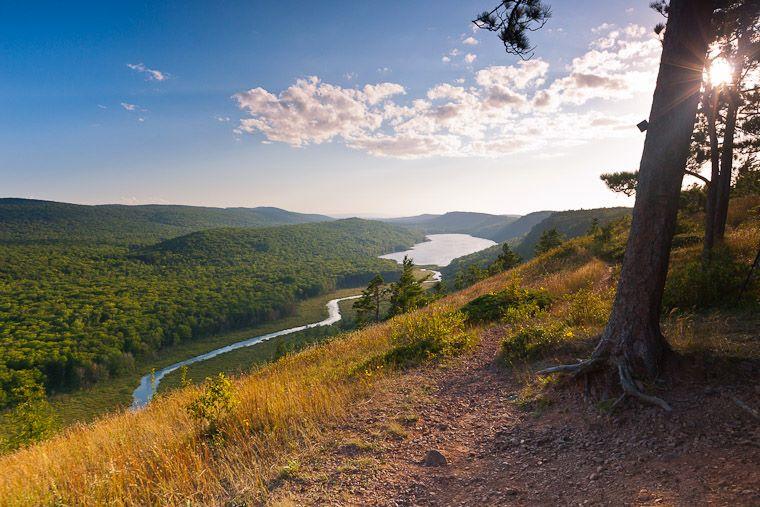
159	456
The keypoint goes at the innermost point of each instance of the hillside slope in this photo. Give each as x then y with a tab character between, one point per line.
571	224
482	225
27	220
354	421
520	227
523	234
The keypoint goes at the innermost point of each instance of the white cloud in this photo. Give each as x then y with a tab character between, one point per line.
470	41
445	59
128	106
222	119
152	74
469	57
350	76
507	109
378	92
604	27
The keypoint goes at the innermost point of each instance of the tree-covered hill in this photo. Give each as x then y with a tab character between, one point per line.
27	220
73	314
524	233
482	225
570	224
519	227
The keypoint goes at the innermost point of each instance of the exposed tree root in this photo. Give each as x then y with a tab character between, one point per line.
576	369
629	386
583	368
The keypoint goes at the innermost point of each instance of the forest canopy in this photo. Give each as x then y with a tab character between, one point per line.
72	314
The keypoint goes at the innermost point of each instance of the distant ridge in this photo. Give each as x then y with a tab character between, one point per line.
483	225
29	220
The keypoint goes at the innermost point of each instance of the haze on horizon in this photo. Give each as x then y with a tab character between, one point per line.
406	111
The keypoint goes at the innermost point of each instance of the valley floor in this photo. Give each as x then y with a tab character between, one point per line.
568	452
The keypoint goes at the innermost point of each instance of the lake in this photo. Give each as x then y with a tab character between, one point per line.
441	249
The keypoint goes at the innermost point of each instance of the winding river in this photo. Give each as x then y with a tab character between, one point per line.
437	250
149	383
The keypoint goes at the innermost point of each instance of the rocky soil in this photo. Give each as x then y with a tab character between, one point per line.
463	434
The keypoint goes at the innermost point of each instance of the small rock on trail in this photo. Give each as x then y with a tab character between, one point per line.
434	458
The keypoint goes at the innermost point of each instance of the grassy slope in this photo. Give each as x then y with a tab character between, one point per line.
158	455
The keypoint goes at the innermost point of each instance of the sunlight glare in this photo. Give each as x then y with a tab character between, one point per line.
721	72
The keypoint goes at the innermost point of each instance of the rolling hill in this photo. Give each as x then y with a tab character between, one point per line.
482	225
27	220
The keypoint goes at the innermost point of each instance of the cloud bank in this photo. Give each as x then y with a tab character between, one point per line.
507	108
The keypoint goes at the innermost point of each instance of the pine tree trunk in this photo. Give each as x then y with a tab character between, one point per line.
712	188
726	168
727	154
632	336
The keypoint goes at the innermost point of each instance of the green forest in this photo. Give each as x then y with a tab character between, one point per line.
29	220
72	313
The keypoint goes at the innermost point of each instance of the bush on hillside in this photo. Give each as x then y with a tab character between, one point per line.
588	307
534	341
492	307
425	336
214	404
698	285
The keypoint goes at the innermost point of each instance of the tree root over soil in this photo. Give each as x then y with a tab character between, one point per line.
596	362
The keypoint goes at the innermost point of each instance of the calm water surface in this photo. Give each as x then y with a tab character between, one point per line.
441	249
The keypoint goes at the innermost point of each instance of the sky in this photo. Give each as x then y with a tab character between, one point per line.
345	108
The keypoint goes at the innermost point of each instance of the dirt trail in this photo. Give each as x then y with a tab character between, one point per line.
705	452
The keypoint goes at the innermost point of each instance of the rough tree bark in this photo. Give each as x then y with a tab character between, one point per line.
632	342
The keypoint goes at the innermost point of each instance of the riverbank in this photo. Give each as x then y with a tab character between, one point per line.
245	359
116	393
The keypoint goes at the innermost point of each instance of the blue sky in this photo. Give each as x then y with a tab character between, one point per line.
450	122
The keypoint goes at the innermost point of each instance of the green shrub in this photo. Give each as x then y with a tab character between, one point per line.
422	337
215	402
522	313
491	307
588	307
697	284
532	342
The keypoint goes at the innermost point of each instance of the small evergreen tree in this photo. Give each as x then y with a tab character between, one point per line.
506	260
550	239
406	294
368	306
594	228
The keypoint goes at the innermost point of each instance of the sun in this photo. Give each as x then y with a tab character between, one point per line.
721	72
